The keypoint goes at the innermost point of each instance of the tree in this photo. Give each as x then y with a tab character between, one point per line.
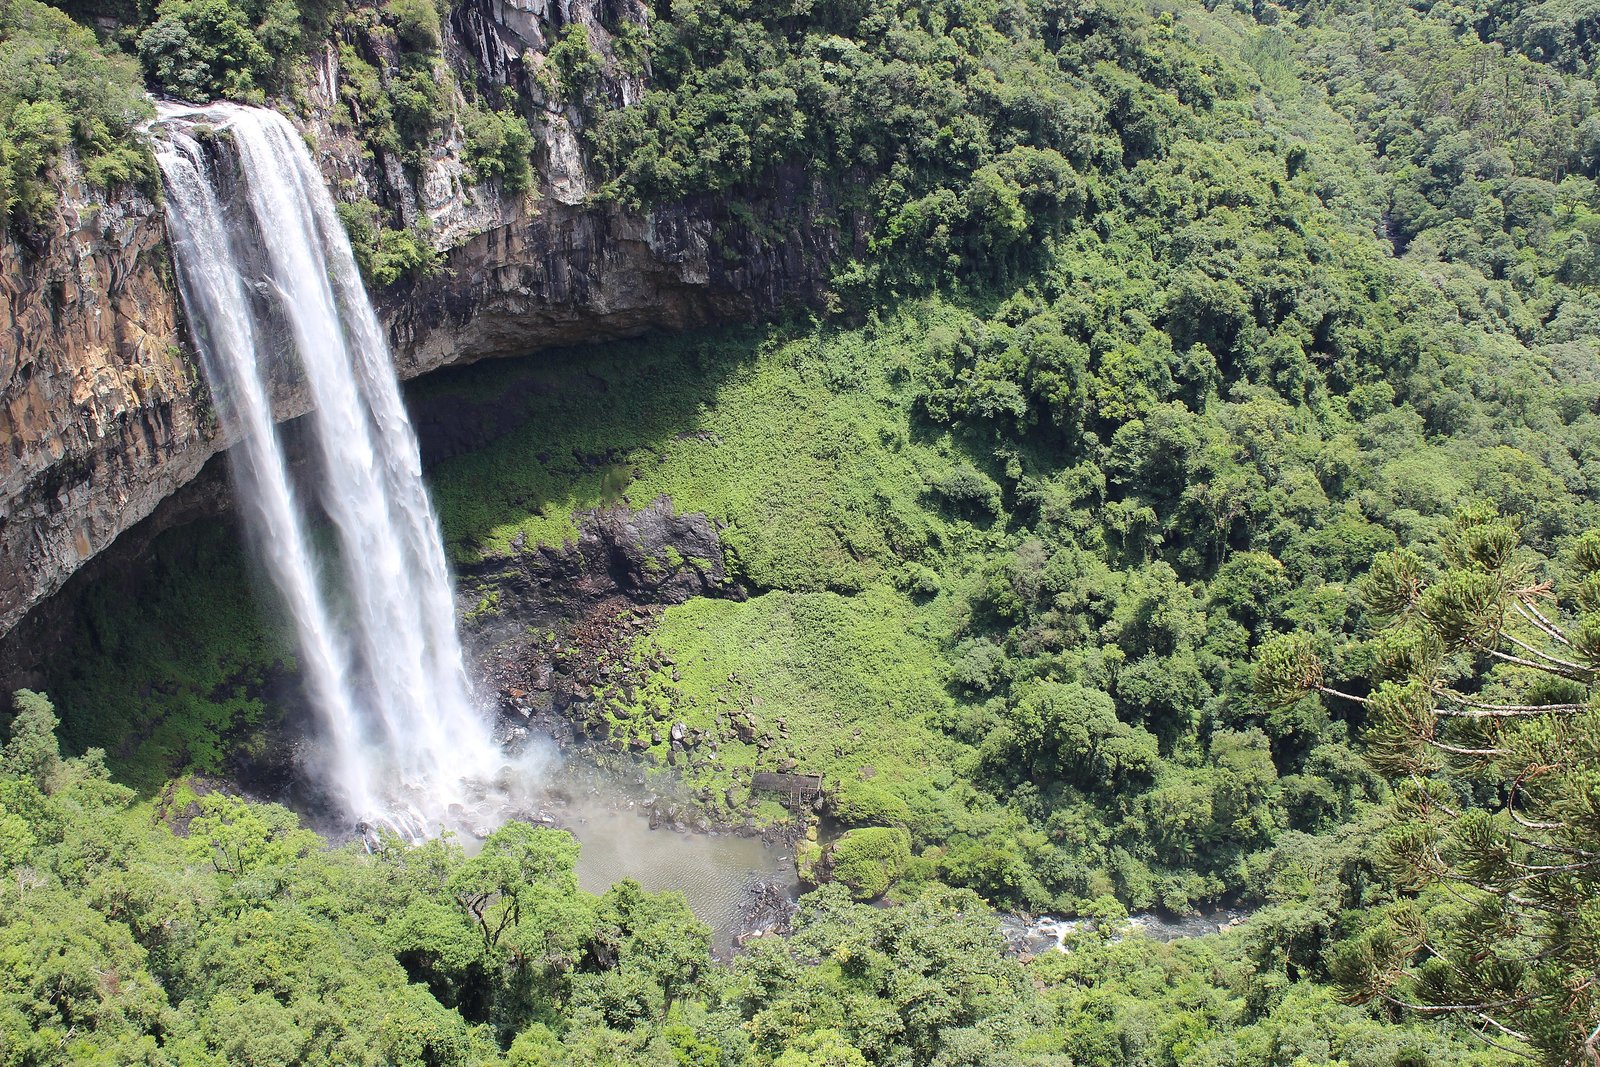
646	951
1072	731
821	1048
1485	711
31	751
198	49
496	886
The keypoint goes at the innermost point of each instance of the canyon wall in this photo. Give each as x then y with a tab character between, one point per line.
103	413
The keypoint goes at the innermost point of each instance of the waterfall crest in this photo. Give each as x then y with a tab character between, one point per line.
267	275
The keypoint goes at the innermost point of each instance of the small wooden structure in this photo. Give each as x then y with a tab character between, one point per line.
796	788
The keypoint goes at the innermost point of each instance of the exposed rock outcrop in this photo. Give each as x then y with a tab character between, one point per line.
571	275
101	413
650	556
102	410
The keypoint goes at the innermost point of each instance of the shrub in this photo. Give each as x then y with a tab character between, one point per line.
498	146
576	64
870	860
59	90
35	134
199	49
368	100
385	255
919	579
420	103
416	24
969	489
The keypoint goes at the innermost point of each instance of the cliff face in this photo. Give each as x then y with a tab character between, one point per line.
102	410
570	275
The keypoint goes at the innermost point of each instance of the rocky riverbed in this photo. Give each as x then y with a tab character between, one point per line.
1026	935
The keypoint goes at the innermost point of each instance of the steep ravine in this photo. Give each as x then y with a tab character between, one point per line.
103	413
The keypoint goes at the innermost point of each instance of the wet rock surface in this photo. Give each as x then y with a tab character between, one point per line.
559	654
622	558
101	415
1028	936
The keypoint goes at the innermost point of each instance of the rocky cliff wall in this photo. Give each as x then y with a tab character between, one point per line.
102	410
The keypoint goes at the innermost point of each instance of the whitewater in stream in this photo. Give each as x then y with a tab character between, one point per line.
273	294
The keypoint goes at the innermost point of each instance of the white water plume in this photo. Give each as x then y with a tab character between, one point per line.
266	271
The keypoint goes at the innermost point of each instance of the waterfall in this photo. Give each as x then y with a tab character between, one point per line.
268	278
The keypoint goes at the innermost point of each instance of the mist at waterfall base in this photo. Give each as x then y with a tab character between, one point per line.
273	294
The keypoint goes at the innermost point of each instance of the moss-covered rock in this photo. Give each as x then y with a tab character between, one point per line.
869	860
868	803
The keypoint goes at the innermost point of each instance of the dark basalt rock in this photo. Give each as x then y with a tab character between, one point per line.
650	556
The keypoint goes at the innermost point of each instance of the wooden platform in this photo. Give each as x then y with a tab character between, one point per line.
793	784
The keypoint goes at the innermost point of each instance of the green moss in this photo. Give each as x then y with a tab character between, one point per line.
807	857
866	803
488	605
582	415
809	677
870	860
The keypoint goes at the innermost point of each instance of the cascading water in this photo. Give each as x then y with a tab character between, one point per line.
264	264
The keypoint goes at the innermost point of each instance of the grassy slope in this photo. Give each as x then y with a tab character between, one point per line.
807	450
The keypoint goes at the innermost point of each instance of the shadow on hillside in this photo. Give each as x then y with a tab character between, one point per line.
169	651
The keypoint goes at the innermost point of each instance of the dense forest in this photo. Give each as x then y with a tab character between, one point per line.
1186	494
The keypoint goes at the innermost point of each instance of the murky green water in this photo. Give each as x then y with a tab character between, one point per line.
719	874
715	873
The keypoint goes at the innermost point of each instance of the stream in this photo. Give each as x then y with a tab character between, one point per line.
1031	936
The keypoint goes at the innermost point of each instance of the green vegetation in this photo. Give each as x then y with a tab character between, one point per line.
60	92
1097	482
199	49
809	678
206	930
1155	327
192	694
237	49
869	860
498	147
386	255
1483	685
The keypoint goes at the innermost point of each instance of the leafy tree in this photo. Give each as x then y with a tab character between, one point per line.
198	49
1484	709
821	1048
60	91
